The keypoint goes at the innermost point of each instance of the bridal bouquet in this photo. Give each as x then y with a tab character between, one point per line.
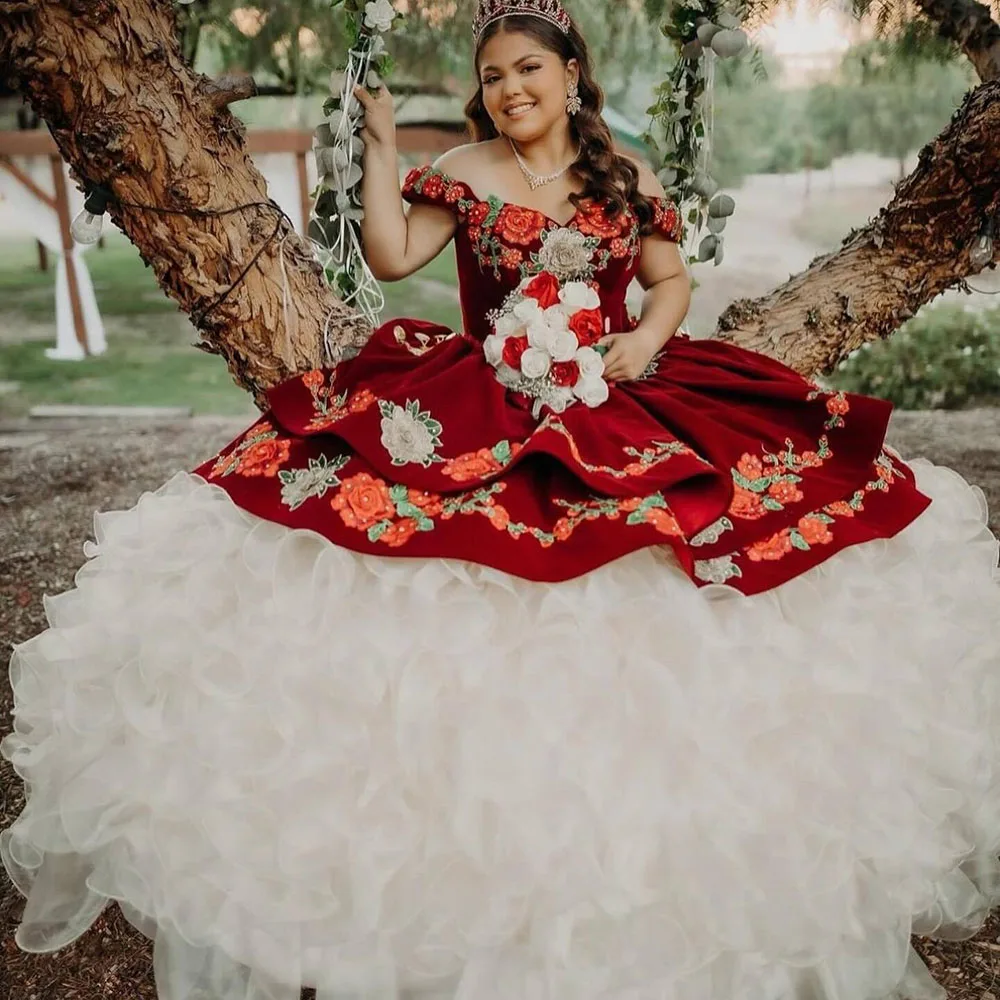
543	343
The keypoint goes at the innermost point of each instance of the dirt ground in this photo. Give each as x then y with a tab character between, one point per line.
53	477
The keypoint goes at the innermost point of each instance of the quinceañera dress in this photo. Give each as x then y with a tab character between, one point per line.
691	695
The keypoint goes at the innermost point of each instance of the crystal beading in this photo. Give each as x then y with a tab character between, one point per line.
492	10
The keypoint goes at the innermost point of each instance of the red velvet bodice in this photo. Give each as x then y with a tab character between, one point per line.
498	243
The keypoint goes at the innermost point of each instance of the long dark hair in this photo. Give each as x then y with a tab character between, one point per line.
606	175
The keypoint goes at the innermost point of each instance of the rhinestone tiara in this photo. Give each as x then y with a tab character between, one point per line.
492	10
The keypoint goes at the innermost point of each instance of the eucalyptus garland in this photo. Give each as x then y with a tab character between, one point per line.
679	134
335	220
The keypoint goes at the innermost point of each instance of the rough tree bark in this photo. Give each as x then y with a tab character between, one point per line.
125	110
916	247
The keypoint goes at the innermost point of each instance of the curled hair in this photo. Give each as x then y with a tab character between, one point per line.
607	175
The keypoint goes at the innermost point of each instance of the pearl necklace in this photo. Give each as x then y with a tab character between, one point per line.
537	180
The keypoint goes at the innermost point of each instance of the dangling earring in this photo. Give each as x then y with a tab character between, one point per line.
573	102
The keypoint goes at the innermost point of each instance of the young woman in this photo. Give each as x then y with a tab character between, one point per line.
433	685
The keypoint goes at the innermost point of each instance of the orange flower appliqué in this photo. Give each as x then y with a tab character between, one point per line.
838	405
663	521
840	508
429	503
746	504
784	492
516	224
362	501
264	458
399	533
750	467
360	401
592	220
814	531
775	547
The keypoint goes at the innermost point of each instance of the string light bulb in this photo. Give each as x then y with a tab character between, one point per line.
86	227
982	250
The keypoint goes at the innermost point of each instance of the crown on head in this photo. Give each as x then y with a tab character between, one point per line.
492	10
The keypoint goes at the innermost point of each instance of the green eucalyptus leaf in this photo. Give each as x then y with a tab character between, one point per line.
729	42
707	247
721	205
706	32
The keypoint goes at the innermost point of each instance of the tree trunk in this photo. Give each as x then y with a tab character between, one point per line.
124	109
109	80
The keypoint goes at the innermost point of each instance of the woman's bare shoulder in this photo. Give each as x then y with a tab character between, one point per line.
649	185
468	162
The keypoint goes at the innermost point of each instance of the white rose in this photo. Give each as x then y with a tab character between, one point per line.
591	391
578	295
590	363
535	363
557	317
379	14
493	348
562	345
538	333
528	310
507	325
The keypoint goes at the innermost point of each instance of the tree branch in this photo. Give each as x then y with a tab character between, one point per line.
971	25
127	113
917	246
226	89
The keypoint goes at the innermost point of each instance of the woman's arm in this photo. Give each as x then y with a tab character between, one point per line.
661	272
396	243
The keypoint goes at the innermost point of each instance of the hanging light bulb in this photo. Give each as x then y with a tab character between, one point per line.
86	227
982	250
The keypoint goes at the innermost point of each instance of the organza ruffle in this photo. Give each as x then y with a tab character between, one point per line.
293	764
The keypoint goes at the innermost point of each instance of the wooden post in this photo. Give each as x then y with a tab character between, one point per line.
62	207
43	256
304	199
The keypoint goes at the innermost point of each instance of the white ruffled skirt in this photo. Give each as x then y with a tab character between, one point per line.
291	764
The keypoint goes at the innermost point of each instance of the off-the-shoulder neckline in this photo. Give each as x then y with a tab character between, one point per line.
449	179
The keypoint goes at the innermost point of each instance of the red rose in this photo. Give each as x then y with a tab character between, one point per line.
565	373
588	326
513	348
544	288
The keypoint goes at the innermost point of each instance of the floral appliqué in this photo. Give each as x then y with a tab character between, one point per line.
768	484
300	485
328	407
483	463
813	528
837	405
261	453
409	434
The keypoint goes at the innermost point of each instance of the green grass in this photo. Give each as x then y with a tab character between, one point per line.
150	359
